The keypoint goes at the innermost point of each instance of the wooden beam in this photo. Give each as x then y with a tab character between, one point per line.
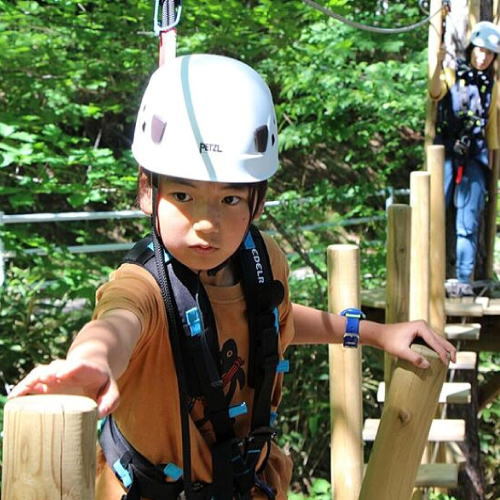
404	428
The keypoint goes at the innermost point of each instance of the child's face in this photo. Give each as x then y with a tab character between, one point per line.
202	223
481	58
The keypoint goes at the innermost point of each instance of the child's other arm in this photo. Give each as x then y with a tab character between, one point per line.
98	356
313	326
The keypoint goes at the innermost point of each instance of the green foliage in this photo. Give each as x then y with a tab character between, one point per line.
490	425
319	490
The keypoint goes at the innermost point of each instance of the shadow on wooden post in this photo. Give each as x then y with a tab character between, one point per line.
404	428
49	448
398	274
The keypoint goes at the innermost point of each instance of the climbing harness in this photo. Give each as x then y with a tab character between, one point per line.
194	341
462	117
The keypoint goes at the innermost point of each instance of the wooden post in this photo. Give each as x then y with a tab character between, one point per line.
404	427
434	44
435	156
435	167
345	379
398	273
491	207
420	246
474	14
49	448
419	258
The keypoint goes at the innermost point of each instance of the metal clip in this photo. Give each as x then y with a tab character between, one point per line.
169	16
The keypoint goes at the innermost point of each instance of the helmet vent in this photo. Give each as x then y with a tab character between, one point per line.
261	136
273	140
157	129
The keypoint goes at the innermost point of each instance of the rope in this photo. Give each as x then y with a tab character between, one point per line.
365	27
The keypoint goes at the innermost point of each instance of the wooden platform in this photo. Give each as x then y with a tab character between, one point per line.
465	306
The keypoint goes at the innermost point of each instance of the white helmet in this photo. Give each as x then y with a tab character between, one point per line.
487	36
208	118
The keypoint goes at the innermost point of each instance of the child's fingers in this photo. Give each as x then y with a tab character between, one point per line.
415	359
108	398
445	350
34	382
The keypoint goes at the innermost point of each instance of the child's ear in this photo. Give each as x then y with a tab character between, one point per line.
145	193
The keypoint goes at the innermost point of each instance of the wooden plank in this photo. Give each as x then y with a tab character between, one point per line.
462	331
493	308
442	430
437	476
451	392
374	297
466	306
465	361
463	307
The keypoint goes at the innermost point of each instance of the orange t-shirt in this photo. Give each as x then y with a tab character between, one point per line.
148	414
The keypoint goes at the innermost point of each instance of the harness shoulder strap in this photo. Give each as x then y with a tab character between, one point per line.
263	295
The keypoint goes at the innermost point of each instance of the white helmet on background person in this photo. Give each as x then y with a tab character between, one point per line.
208	118
487	36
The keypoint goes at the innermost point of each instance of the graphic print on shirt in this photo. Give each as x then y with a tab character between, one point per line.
231	365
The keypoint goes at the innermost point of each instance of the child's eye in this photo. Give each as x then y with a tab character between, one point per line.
231	200
182	197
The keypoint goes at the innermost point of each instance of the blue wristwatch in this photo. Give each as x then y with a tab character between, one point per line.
351	335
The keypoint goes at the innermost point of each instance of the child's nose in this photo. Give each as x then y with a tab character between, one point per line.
207	221
205	225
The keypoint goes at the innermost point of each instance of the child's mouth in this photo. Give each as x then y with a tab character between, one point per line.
203	249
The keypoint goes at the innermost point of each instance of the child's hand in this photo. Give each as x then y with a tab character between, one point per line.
72	377
398	338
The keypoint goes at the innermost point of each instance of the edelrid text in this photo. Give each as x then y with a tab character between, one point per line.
258	265
210	148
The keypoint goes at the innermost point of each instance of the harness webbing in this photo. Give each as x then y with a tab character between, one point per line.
194	341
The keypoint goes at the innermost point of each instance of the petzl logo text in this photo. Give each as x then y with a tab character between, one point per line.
210	148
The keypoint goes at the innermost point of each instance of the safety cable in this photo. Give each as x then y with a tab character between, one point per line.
365	27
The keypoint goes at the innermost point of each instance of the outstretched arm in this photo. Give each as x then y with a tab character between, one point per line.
98	356
313	326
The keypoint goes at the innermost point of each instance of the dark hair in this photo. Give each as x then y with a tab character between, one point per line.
257	190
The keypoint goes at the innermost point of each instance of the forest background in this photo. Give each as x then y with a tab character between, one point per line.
350	107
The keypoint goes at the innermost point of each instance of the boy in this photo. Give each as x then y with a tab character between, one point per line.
206	141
